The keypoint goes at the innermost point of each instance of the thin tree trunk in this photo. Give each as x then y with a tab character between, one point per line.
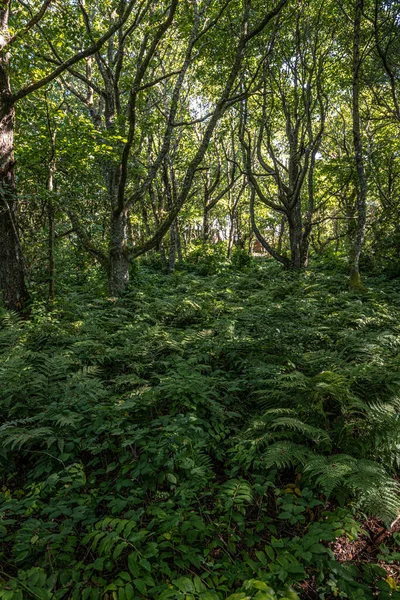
51	238
172	248
234	217
308	221
251	245
231	234
206	224
355	278
178	242
337	236
51	167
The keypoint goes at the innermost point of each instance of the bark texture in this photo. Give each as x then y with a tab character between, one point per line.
12	276
118	258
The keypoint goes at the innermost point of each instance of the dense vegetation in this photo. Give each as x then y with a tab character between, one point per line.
201	432
199	299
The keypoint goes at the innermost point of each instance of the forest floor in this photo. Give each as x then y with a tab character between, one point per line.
222	434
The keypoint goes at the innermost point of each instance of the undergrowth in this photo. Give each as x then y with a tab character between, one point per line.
202	438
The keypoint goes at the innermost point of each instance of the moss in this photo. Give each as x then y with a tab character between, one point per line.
356	283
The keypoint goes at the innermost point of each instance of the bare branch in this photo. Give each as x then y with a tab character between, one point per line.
145	86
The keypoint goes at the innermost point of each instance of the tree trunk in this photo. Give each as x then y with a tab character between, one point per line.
231	234
355	278
51	168
305	250
172	248
250	248
297	259
163	258
281	234
118	279
178	241
51	238
12	275
206	224
308	220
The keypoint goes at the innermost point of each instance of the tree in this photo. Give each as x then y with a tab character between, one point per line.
131	185
280	160
12	277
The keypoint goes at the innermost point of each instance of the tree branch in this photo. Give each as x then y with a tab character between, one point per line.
36	85
31	23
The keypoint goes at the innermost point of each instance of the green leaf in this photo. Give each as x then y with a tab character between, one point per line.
145	564
140	585
129	592
133	564
121	593
184	584
261	557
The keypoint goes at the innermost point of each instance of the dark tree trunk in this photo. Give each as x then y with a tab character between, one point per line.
305	249
118	257
234	217
298	257
12	276
250	248
118	277
206	224
163	258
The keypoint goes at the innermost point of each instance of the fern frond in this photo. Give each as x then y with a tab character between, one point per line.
284	454
17	438
367	481
292	424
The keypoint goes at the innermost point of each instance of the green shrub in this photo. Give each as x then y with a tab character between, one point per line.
197	438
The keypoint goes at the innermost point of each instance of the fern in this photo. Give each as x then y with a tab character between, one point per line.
16	437
342	475
147	438
284	454
292	424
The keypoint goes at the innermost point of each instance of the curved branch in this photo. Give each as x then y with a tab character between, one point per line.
36	85
86	242
282	259
219	110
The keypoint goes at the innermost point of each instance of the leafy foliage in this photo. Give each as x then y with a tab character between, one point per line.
187	440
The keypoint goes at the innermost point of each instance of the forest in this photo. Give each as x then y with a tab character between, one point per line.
199	299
